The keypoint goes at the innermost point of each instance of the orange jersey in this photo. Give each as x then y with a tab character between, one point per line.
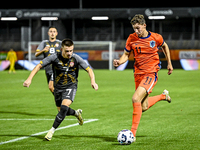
145	52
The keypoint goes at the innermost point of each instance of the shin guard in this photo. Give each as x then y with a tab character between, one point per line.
60	116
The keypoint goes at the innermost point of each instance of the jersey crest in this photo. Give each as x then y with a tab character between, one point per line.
152	44
56	45
71	64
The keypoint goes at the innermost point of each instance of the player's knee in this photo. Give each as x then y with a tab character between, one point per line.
144	107
51	88
63	112
135	100
58	103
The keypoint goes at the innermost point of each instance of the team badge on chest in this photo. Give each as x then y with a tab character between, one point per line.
56	45
71	64
152	44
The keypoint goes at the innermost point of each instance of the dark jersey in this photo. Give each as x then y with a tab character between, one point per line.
65	70
54	48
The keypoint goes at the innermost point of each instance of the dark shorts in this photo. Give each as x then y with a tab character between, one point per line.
68	93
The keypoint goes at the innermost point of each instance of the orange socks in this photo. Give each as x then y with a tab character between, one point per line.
137	113
155	99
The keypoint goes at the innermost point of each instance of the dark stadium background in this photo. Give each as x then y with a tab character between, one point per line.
181	29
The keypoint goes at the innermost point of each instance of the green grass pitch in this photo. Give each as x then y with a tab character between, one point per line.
164	126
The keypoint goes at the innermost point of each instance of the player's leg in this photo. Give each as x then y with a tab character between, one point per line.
63	112
59	118
145	103
58	108
150	101
11	66
58	99
64	109
50	82
63	104
71	92
137	98
148	82
143	85
51	85
49	76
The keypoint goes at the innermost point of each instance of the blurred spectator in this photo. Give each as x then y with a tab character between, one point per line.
12	57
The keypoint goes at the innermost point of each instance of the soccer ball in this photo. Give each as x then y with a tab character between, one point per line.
125	137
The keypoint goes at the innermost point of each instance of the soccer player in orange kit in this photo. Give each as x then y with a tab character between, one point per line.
144	45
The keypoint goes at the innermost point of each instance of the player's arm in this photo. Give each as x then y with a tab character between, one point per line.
46	61
122	59
32	74
165	49
92	78
41	49
86	67
39	52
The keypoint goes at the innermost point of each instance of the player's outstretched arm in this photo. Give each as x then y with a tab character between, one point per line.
167	55
32	74
122	59
92	78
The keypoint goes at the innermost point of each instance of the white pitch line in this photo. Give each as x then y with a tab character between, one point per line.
30	119
39	133
13	119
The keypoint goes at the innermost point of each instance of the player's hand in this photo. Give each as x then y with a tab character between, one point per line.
170	69
27	83
116	62
46	49
95	86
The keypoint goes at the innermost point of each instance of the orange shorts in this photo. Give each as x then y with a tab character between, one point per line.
148	81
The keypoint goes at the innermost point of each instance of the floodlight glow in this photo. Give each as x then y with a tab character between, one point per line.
156	17
8	18
49	18
100	18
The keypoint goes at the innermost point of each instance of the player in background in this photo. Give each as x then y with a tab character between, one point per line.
65	68
144	45
12	57
47	48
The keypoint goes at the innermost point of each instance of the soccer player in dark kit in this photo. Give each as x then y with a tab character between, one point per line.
47	48
65	68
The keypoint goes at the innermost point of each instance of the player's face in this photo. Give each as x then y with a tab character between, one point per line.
67	51
139	29
52	33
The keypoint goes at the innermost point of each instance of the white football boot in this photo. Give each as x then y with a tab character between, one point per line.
168	98
49	135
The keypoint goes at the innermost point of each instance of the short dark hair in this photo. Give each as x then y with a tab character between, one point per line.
52	27
67	42
138	19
